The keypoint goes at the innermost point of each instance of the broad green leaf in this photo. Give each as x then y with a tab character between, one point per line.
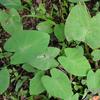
46	60
26	45
76	26
76	1
11	21
80	26
46	26
75	63
96	55
93	37
93	81
76	66
11	4
36	87
58	85
59	31
4	80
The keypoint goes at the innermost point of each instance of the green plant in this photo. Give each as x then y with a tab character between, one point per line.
4	79
11	21
74	62
55	70
93	81
83	28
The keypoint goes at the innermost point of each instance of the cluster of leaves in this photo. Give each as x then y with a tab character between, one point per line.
30	48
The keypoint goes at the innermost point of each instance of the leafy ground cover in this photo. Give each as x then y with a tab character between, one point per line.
50	50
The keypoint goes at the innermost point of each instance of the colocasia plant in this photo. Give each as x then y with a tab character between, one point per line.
63	72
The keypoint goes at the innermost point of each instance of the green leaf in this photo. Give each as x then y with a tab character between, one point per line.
73	52
93	81
46	26
76	1
58	85
96	55
46	60
80	26
93	37
4	80
74	97
12	4
28	68
36	86
20	82
59	31
11	21
76	26
26	45
75	63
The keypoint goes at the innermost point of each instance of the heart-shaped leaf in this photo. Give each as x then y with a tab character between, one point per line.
75	63
58	85
36	86
81	27
93	81
46	60
4	80
76	26
93	36
28	44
